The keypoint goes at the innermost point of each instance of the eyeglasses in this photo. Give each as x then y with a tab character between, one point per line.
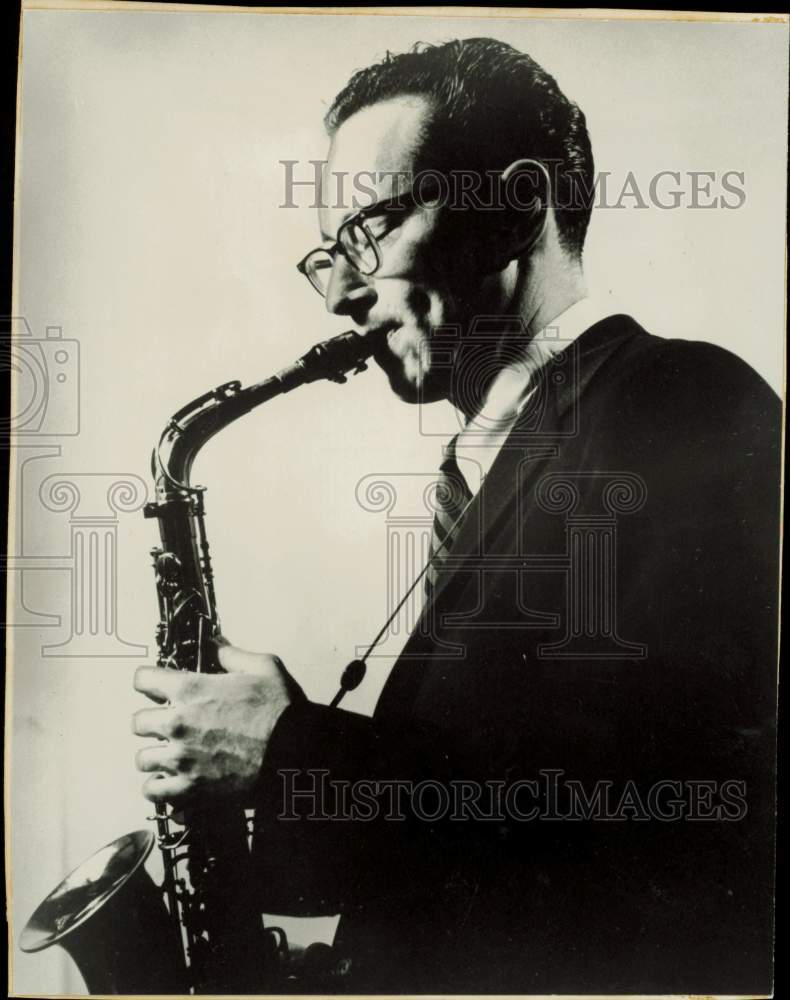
356	241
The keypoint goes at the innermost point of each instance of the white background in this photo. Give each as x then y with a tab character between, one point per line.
149	230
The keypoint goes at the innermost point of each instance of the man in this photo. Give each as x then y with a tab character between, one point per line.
603	609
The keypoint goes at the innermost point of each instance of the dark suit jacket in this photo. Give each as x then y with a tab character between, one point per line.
613	595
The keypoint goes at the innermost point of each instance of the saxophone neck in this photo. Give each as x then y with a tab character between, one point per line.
195	424
191	427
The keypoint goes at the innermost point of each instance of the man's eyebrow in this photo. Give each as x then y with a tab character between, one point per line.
343	219
393	201
349	212
326	237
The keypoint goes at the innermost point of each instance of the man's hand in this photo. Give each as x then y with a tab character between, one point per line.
213	728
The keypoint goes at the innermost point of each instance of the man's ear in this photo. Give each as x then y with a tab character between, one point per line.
525	192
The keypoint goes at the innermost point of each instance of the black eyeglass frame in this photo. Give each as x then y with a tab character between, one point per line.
402	201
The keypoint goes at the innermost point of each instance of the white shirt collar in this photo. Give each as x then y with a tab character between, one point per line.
480	441
512	386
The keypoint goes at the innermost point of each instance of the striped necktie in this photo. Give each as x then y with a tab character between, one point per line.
451	500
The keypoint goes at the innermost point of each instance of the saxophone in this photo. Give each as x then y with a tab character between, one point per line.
201	931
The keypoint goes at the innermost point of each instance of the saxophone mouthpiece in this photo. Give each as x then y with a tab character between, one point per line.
331	359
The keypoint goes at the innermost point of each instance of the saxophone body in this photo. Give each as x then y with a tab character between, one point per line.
201	931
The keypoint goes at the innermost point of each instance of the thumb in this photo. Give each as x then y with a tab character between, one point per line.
235	660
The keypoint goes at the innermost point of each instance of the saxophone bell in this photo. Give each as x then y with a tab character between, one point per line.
109	915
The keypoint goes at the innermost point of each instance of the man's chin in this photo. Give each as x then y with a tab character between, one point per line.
412	389
408	366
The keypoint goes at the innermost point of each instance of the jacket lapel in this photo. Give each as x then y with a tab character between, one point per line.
522	457
530	445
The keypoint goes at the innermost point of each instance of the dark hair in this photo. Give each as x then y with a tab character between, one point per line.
491	105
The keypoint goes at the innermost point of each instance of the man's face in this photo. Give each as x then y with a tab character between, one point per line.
433	272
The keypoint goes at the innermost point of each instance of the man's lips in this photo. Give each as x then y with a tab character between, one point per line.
380	338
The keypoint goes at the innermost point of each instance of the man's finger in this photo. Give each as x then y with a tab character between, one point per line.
159	758
167	788
156	682
153	722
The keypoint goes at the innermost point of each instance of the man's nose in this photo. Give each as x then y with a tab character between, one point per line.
349	293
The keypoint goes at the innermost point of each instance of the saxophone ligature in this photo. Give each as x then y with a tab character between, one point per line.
201	930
